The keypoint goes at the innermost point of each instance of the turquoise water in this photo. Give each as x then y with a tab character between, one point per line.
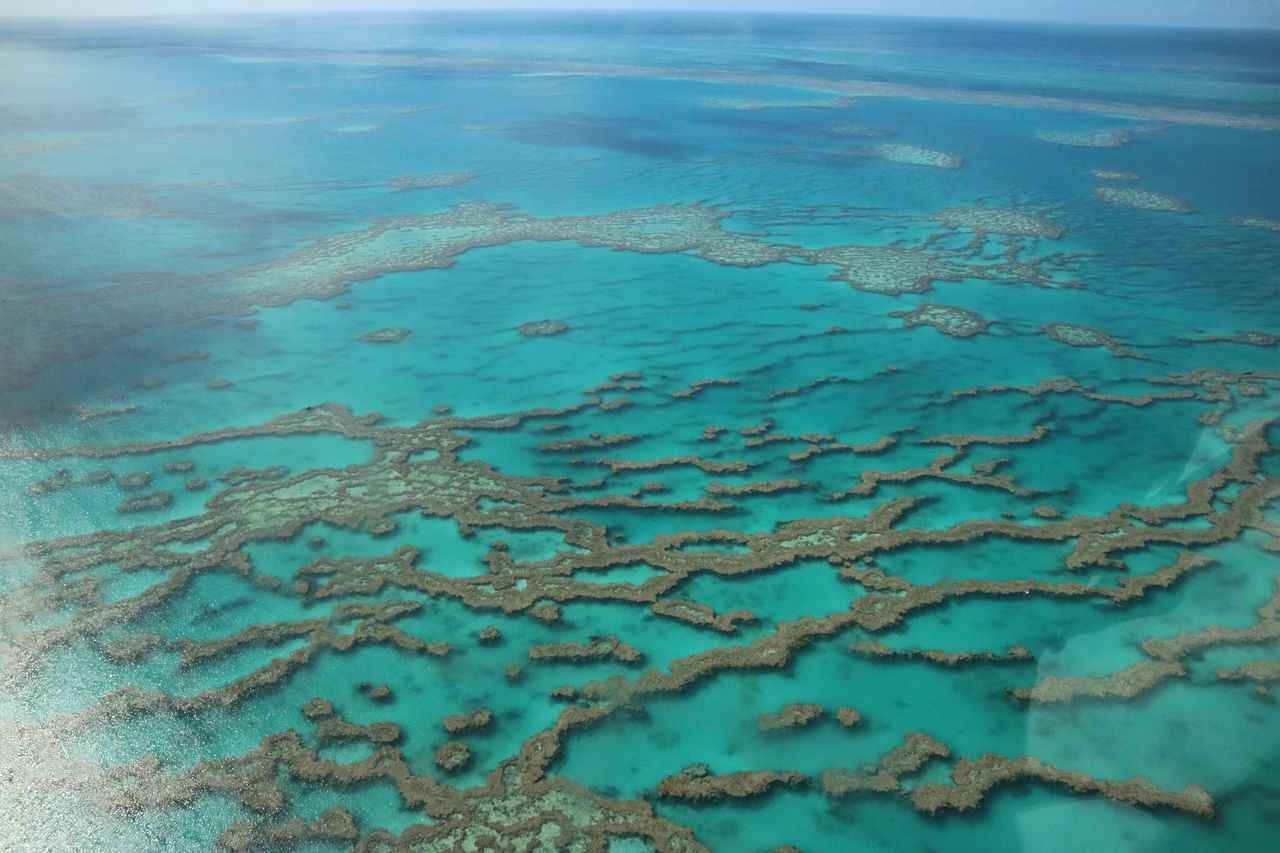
221	501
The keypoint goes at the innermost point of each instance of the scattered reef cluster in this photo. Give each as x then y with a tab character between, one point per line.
425	468
326	267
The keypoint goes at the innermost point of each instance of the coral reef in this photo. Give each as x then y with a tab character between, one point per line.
699	783
479	718
1083	336
871	648
145	503
948	319
1000	220
542	328
972	780
1142	199
1259	222
910	155
848	717
597	648
887	270
1110	138
386	336
1113	175
794	716
430	181
454	755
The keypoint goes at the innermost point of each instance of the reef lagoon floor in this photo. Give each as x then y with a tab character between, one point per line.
615	432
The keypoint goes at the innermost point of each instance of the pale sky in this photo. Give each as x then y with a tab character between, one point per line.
1202	13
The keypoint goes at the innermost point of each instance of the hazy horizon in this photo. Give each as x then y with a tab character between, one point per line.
1216	14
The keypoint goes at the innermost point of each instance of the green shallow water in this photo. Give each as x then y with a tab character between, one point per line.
634	540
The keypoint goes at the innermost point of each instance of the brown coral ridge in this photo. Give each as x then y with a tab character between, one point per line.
819	445
972	781
376	692
872	612
473	720
1258	671
454	755
597	648
594	441
1067	385
709	466
916	750
701	385
794	716
871	648
698	783
764	487
811	385
961	441
982	475
848	717
695	613
1167	660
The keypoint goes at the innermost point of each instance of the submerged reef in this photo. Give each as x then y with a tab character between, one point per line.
543	328
1142	199
1000	220
1083	336
430	181
386	336
1112	138
948	319
1253	338
794	716
750	105
1259	222
910	155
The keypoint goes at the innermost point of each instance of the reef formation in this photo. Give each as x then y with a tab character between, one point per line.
365	598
